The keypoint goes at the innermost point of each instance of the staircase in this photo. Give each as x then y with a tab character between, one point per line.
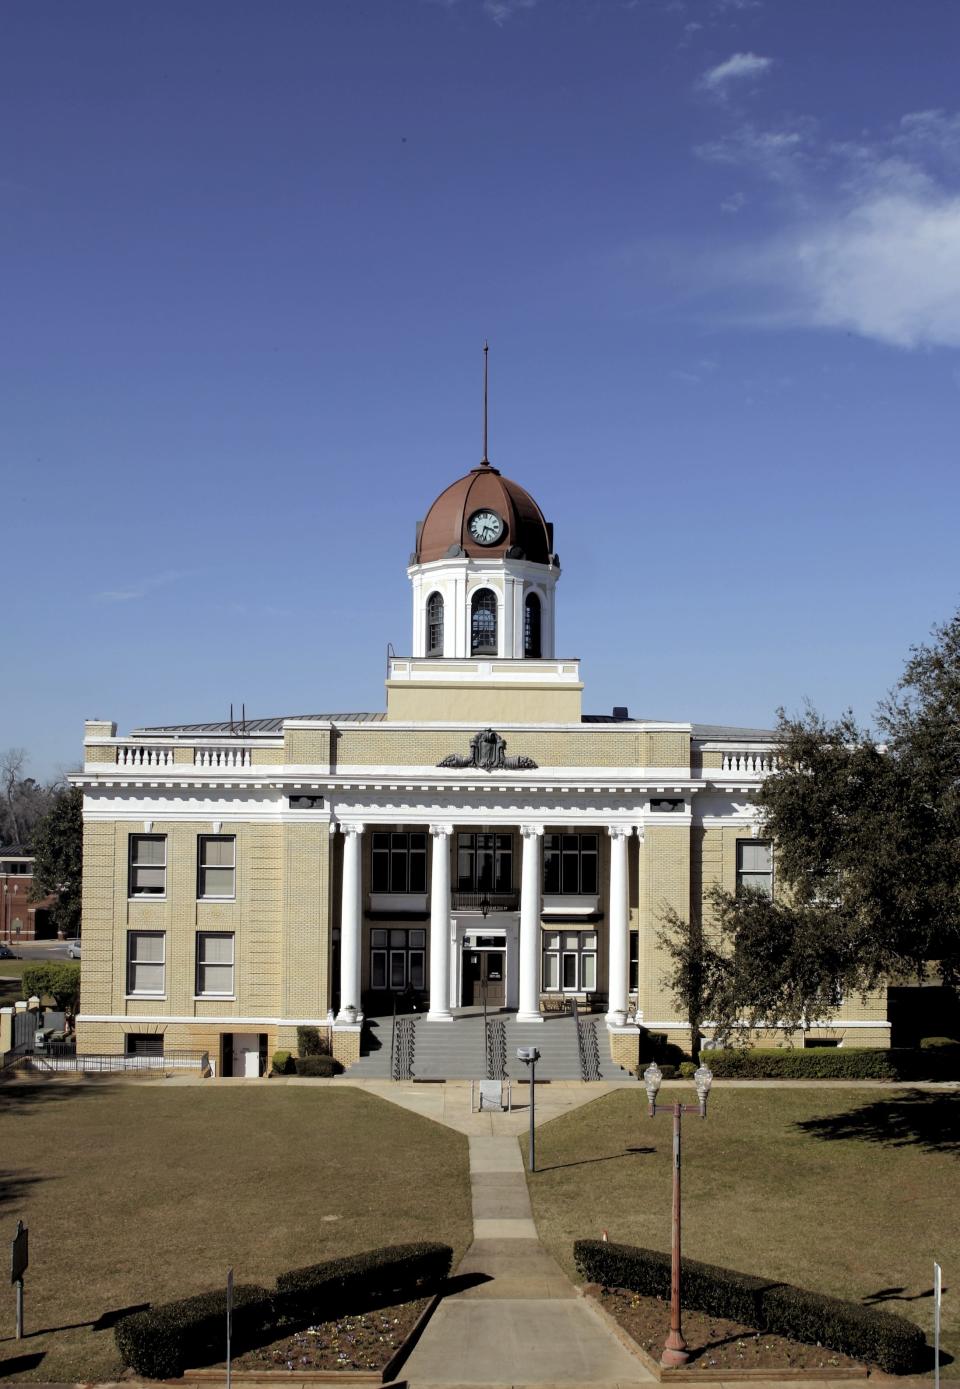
457	1050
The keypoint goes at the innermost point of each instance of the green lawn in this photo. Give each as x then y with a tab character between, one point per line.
140	1191
849	1192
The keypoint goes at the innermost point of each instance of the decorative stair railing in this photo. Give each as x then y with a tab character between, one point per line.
588	1047
495	1038
402	1047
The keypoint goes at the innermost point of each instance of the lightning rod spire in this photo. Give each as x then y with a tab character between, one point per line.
485	461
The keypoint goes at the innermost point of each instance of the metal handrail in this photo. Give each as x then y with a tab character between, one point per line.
393	1035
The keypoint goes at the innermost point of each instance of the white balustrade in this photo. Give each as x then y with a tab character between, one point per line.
140	756
222	758
742	760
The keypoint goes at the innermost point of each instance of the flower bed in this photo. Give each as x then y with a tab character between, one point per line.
361	1341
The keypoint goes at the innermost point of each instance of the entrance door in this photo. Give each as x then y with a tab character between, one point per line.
246	1054
483	972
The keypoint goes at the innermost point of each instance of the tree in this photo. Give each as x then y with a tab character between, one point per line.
58	859
23	801
59	980
866	836
699	971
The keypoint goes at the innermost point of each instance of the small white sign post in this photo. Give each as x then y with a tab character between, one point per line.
19	1259
937	1295
229	1318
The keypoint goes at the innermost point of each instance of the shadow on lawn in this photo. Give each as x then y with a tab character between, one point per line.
18	1095
915	1119
584	1162
19	1364
14	1186
104	1322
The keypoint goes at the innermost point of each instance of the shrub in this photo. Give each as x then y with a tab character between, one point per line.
719	1291
812	1063
281	1063
325	1066
935	1043
310	1043
164	1341
321	1289
687	1070
889	1341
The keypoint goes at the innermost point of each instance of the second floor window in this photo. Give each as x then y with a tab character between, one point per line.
483	623
216	865
755	865
148	865
570	864
398	861
484	862
435	625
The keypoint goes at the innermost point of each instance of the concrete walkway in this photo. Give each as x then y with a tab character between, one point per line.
520	1322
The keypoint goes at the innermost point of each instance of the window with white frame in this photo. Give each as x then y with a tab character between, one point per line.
435	625
570	864
755	865
216	865
215	963
146	962
398	958
569	962
148	865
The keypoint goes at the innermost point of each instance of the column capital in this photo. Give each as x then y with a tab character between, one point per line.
620	831
353	827
441	831
531	831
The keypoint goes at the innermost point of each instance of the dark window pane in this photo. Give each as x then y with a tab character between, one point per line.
398	969
569	971
551	872
418	872
571	873
379	876
417	976
588	873
378	969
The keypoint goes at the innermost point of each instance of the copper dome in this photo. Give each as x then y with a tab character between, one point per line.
445	532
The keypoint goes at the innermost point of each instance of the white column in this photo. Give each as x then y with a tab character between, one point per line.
351	916
618	923
440	924
530	888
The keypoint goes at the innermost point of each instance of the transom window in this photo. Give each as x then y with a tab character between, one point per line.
215	963
148	865
531	626
146	954
484	862
398	958
569	961
755	865
216	865
570	864
435	625
483	623
398	861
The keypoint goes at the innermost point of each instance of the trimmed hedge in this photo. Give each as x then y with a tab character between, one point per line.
891	1342
834	1063
378	1273
164	1341
310	1043
281	1063
934	1043
325	1066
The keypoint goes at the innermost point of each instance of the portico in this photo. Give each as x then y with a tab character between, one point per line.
517	925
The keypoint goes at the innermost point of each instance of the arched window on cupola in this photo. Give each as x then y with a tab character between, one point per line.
435	625
531	626
483	623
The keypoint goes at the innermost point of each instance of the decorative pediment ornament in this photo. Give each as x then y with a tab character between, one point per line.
488	753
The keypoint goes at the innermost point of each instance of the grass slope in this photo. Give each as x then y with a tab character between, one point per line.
139	1192
847	1192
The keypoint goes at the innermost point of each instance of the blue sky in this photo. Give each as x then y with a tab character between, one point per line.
249	256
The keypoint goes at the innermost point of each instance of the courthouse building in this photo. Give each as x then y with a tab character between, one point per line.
482	838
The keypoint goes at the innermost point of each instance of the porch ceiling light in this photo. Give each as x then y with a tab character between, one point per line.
652	1078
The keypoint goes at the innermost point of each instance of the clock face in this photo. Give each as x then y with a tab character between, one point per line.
486	527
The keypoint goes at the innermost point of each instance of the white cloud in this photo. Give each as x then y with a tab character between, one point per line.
734	69
734	203
141	587
502	10
869	237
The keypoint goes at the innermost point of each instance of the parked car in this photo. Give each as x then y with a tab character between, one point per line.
7	954
73	950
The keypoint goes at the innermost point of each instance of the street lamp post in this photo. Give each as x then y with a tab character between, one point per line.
530	1056
675	1347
